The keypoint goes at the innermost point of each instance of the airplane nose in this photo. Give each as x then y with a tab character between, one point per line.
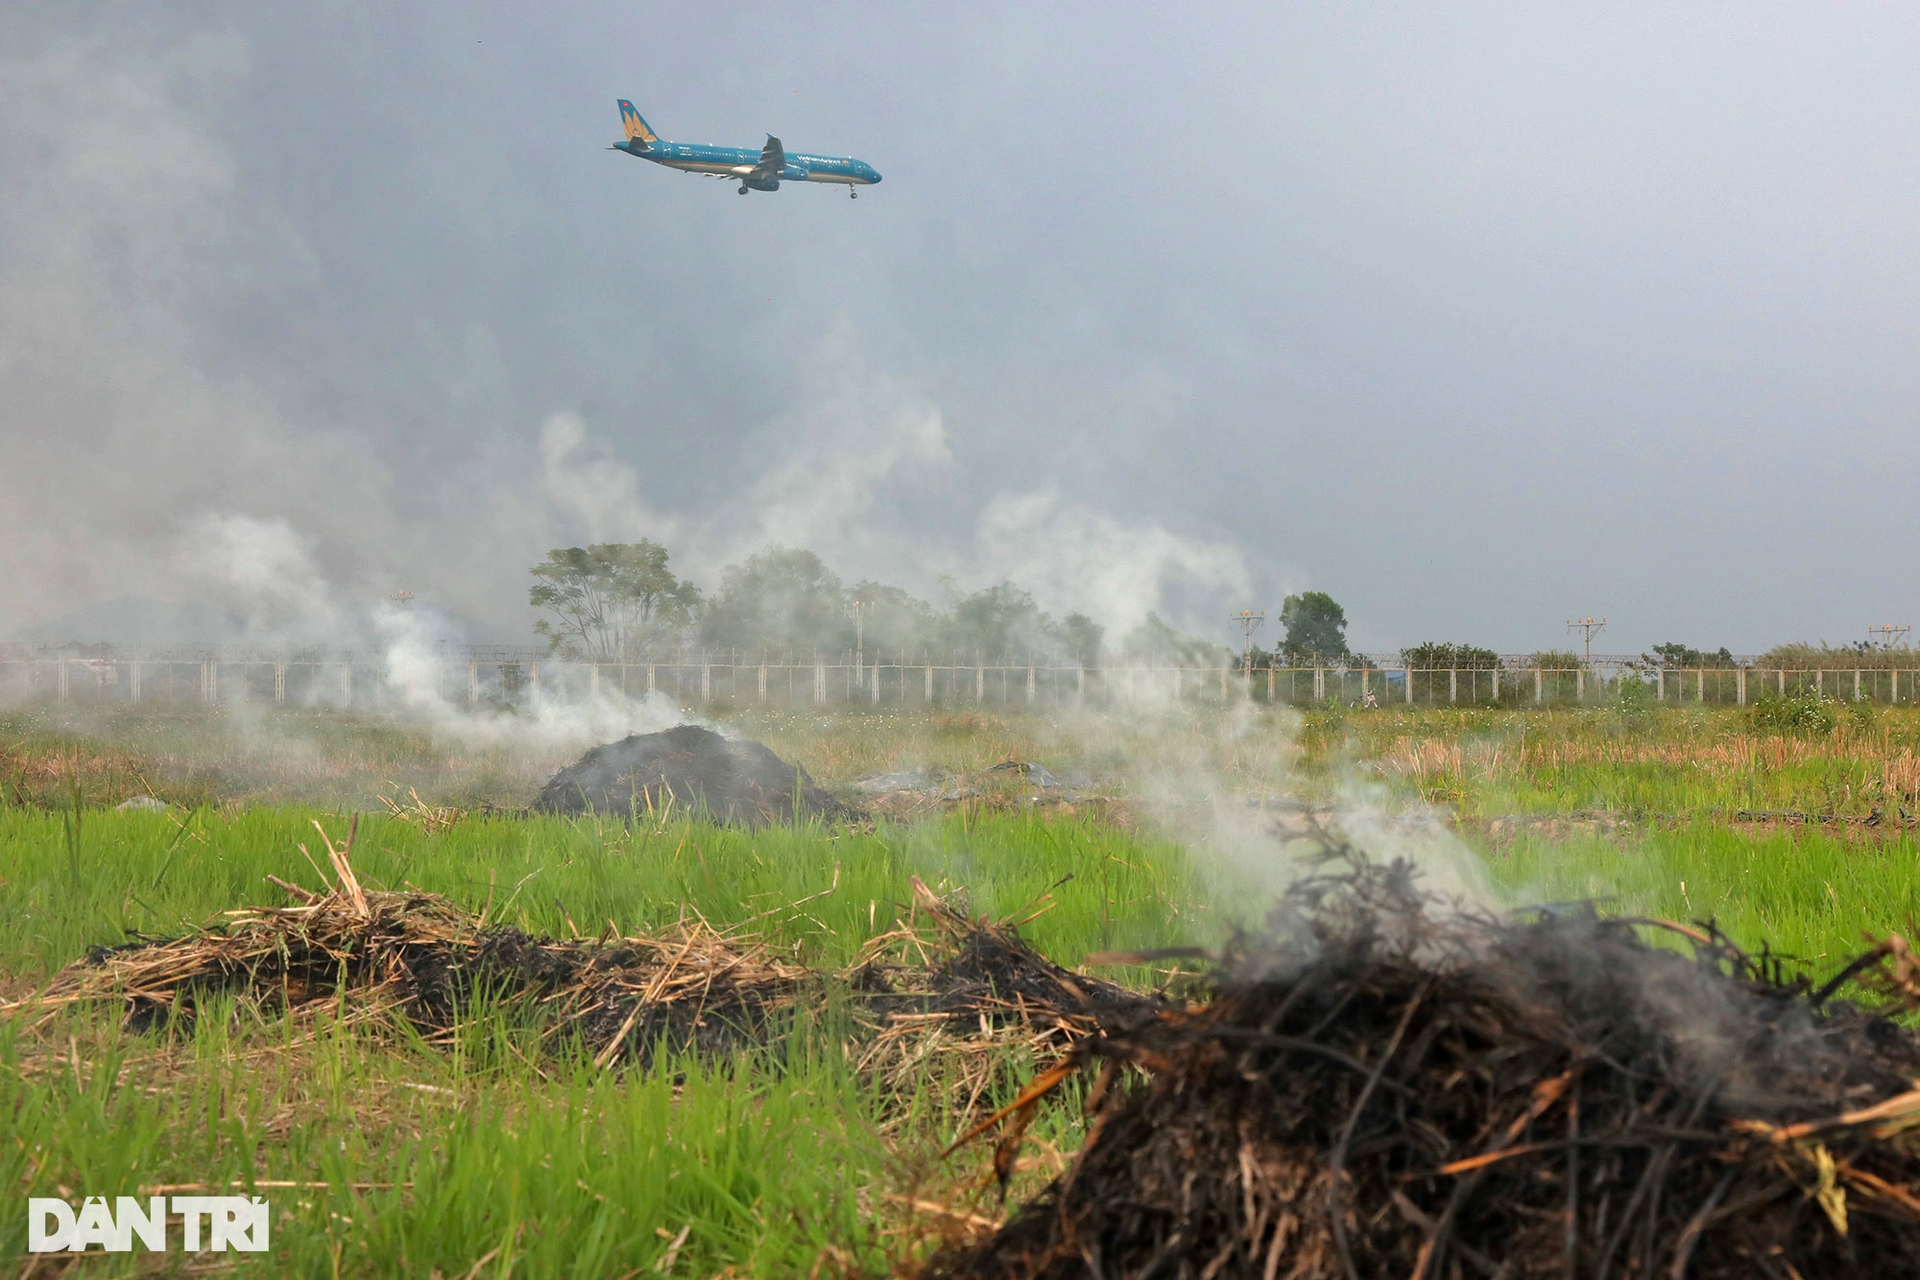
873	175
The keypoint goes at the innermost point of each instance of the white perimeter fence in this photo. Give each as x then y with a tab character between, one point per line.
367	679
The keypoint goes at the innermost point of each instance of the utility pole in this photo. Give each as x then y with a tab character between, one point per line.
1250	623
1588	629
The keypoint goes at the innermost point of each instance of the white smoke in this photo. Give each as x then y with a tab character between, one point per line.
852	480
267	570
1080	559
1227	781
417	668
597	494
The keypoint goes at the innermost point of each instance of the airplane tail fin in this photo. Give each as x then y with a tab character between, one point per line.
638	130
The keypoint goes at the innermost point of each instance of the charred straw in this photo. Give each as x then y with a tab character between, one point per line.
1379	1085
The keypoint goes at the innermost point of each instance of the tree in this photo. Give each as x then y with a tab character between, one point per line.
780	598
896	622
1081	637
1316	628
1672	654
610	600
1154	640
998	622
1437	656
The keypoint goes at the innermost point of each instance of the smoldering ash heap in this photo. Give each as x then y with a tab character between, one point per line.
1378	1088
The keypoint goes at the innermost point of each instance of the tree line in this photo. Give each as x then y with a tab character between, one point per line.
620	602
615	602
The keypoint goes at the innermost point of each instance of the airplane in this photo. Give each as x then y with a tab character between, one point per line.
761	170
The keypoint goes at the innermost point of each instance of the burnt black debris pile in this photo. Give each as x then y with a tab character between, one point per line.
688	768
1378	1088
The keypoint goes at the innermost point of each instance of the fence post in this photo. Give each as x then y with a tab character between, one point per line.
706	680
1780	682
65	680
819	679
1659	684
1856	684
133	680
1319	683
1740	686
1080	688
929	684
1494	681
280	683
1700	685
763	682
1895	693
1539	687
1453	685
1029	686
1579	684
979	682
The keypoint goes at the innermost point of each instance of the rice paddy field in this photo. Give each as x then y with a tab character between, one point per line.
494	1149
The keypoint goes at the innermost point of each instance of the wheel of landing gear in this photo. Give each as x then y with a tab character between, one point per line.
852	194
743	189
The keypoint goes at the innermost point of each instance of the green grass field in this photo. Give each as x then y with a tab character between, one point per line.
491	1157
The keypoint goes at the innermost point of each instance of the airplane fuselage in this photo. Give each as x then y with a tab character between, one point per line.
739	162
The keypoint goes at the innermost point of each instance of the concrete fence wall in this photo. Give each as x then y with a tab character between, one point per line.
364	681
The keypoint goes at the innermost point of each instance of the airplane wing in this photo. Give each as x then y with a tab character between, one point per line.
773	158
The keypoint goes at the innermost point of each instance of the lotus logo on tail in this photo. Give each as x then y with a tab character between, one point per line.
638	130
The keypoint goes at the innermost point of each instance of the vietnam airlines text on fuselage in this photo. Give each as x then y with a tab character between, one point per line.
762	170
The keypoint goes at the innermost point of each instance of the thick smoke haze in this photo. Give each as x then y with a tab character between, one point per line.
1477	319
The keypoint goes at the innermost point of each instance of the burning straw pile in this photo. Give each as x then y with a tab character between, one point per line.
1381	1089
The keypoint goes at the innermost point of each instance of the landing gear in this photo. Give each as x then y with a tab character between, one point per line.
743	189
853	192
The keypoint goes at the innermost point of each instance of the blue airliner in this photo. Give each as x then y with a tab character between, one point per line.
761	170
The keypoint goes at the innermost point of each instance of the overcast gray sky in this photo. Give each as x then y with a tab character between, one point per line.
1477	319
